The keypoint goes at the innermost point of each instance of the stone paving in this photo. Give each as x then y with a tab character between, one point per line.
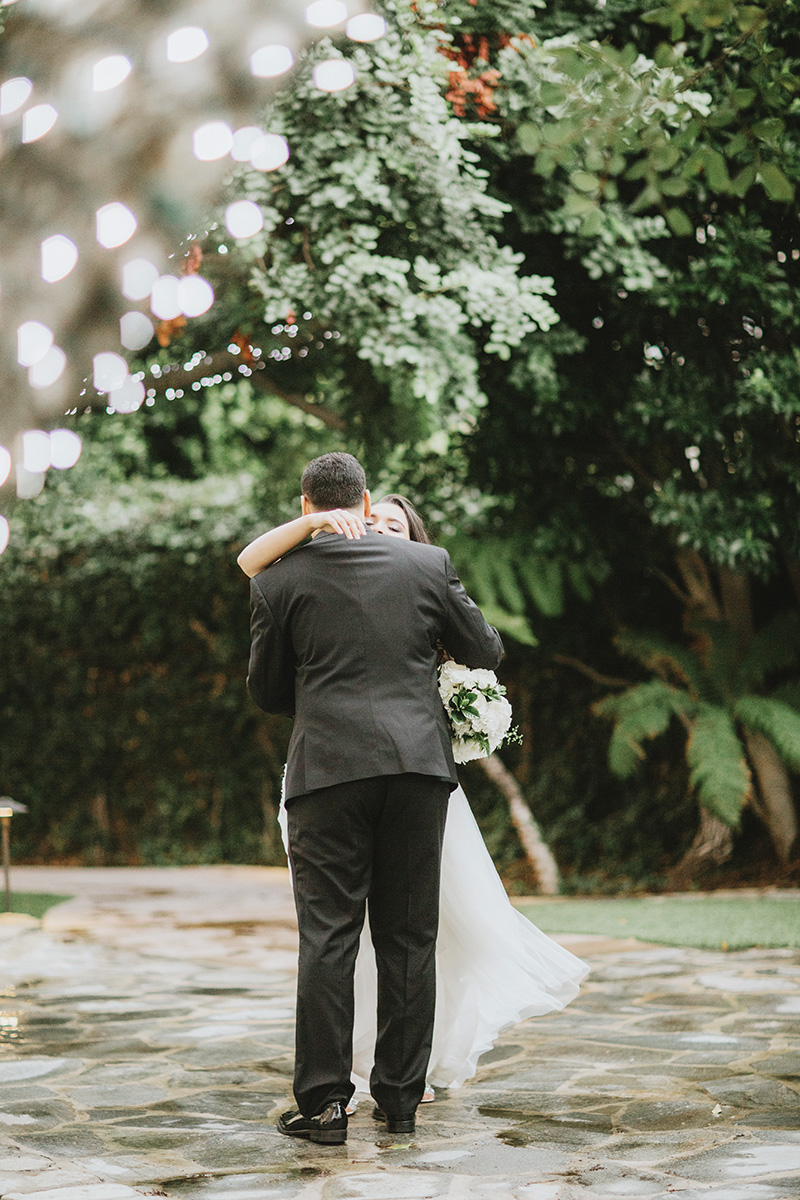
146	1049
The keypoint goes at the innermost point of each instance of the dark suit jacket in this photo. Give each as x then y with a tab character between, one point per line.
344	638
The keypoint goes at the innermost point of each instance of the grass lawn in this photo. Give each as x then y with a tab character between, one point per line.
706	922
35	904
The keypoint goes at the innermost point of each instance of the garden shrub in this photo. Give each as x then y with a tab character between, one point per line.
126	727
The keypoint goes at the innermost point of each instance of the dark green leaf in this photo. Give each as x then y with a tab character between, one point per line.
743	97
659	16
716	171
576	205
592	223
552	95
530	137
775	182
675	186
744	180
679	223
545	163
749	17
664	55
664	157
584	181
769	129
739	142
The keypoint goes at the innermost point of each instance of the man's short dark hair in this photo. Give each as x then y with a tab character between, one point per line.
334	481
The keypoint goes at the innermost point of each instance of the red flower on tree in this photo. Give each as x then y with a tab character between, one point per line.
475	92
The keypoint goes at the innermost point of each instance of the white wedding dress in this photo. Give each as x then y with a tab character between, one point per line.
493	966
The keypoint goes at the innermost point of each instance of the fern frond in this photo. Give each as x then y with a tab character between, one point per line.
641	712
505	573
544	580
580	581
719	771
472	566
487	570
510	593
513	624
777	721
775	647
674	664
516	573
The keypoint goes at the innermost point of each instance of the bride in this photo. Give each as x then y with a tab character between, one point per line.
493	966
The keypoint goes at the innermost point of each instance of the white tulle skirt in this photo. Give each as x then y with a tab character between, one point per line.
493	966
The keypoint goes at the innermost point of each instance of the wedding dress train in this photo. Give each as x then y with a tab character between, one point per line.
493	966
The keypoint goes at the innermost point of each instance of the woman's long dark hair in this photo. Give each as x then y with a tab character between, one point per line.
416	527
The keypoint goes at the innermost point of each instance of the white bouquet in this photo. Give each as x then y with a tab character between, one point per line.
478	712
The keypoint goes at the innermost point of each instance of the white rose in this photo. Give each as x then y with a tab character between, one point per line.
497	721
453	674
449	680
465	750
484	679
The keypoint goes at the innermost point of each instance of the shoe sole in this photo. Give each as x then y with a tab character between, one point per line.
333	1137
394	1126
325	1137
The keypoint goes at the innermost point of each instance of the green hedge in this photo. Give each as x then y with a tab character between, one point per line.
126	726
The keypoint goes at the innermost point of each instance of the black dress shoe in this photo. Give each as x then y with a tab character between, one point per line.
397	1122
328	1126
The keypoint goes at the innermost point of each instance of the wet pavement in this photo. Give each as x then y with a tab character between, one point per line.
146	1049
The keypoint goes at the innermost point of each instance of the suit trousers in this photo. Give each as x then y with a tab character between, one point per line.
376	841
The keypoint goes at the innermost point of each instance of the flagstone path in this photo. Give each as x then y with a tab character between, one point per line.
146	1049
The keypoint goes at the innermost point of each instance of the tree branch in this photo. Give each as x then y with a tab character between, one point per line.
722	58
684	597
697	577
590	673
307	250
536	849
223	361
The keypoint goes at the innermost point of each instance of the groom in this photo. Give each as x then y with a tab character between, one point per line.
344	638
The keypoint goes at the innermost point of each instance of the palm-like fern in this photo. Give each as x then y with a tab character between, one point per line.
513	577
717	693
640	713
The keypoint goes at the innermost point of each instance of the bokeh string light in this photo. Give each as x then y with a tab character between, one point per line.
118	125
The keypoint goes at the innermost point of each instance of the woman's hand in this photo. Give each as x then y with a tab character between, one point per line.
338	520
442	656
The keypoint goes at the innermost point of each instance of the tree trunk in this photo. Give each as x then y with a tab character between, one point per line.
777	803
736	604
713	843
701	599
537	852
774	803
102	823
